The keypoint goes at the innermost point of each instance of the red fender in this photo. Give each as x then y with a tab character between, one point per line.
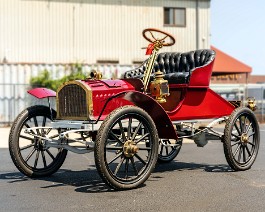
41	93
162	121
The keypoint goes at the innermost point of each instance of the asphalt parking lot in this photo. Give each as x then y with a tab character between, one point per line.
199	179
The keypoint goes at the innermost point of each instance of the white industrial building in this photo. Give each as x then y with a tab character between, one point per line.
91	31
48	34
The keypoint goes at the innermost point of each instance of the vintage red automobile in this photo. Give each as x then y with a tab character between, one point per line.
132	122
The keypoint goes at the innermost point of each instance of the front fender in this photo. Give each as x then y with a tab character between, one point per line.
158	114
41	93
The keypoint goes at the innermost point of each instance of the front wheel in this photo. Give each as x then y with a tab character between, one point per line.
28	150
241	139
126	148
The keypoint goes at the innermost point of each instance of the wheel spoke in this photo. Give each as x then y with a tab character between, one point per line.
114	148
115	137
48	131
253	133
237	143
43	124
237	129
136	130
244	154
163	38
30	154
36	124
142	138
50	154
30	130
145	148
26	137
253	145
126	168
161	150
238	137
44	159
166	150
248	126
244	127
115	158
140	159
152	35
26	147
122	131
134	166
129	128
236	150
239	154
241	124
36	159
118	166
249	153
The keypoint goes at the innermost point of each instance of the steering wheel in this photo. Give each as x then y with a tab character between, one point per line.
162	40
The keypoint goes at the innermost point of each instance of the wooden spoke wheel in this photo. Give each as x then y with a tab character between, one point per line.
126	148
241	139
27	150
168	150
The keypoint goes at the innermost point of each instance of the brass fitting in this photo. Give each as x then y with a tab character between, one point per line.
251	103
97	75
159	87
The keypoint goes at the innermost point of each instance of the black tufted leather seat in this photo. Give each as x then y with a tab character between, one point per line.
177	67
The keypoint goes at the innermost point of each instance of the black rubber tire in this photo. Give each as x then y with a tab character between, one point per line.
148	145
169	155
241	124
16	135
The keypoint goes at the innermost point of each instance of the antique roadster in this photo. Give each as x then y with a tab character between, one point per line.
133	122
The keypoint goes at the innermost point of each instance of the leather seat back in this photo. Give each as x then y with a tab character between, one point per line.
177	67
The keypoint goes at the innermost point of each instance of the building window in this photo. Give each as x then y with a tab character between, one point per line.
175	16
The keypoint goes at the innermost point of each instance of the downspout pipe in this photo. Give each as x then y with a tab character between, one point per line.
197	25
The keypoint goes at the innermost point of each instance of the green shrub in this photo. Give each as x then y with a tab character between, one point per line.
45	80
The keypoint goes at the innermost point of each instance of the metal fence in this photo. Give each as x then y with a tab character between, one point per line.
14	98
15	77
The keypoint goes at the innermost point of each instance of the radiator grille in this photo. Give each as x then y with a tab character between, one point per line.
72	102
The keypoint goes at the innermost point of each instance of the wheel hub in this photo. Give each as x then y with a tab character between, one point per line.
39	145
244	138
130	149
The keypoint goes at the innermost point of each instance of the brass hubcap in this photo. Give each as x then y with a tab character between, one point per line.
244	138
130	149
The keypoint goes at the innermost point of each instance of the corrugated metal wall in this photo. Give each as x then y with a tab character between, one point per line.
53	31
40	34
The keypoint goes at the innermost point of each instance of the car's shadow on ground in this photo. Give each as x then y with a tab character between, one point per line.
88	181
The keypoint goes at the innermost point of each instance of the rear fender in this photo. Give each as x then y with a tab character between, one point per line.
162	121
41	93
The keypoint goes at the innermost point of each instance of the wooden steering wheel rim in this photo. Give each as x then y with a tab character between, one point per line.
157	30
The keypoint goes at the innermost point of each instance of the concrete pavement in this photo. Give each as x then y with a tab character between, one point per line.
4	134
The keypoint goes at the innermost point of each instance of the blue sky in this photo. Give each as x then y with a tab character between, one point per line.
238	29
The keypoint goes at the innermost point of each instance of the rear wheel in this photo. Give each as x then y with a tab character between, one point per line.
27	150
241	139
126	148
168	150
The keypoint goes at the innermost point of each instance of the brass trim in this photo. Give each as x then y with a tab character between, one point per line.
150	64
159	87
96	75
251	104
88	91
